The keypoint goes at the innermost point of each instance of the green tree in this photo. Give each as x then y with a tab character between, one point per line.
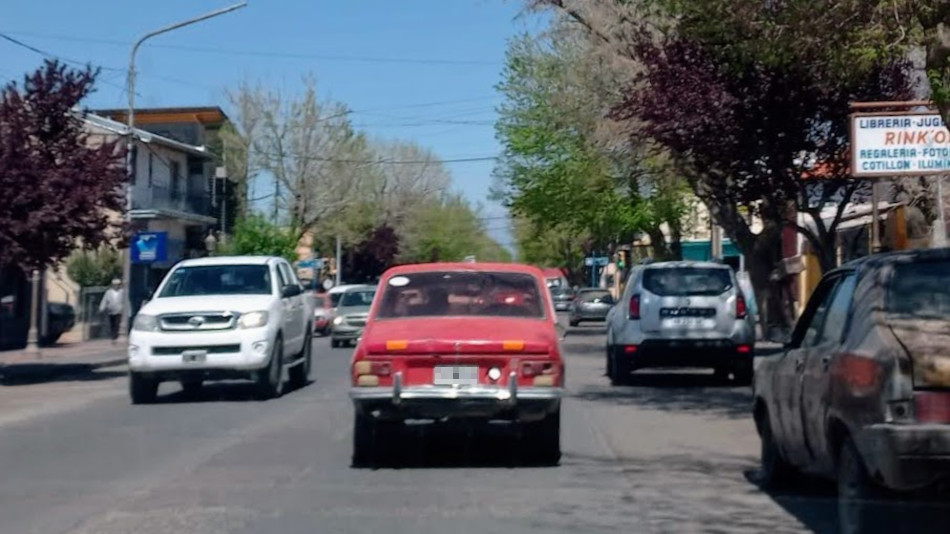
447	229
90	268
256	236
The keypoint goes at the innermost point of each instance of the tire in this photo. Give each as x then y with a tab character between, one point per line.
573	322
619	368
300	373
363	442
542	440
774	471
270	383
191	387
334	343
857	493
610	361
744	373
142	389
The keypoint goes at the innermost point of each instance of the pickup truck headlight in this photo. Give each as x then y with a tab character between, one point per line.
338	320
255	319
145	323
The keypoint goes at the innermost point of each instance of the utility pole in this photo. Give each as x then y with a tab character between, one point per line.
33	335
130	164
875	217
940	225
339	260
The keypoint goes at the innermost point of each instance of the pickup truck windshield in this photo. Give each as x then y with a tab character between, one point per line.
218	280
453	294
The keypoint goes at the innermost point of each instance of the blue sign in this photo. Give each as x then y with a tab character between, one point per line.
599	261
148	247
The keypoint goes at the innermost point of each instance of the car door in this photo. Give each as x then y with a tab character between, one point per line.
789	373
815	379
293	310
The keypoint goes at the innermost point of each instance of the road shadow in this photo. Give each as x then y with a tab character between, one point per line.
675	392
24	374
445	446
587	330
227	391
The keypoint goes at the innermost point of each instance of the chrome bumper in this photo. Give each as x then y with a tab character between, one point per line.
477	400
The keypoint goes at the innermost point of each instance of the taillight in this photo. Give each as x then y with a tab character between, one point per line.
634	307
860	375
375	368
542	373
742	310
744	349
932	406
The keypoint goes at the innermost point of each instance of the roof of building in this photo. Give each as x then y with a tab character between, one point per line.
200	114
144	136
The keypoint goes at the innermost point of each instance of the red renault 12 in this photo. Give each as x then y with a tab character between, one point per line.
449	341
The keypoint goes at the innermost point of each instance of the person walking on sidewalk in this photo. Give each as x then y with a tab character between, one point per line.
111	305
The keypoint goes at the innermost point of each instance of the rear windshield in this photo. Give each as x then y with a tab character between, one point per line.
683	281
358	298
594	296
218	280
454	294
920	290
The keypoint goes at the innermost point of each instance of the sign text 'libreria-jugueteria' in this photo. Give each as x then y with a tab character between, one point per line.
899	144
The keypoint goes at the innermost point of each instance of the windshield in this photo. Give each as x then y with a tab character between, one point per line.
218	280
920	290
443	294
358	298
683	281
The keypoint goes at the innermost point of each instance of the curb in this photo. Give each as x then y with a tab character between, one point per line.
34	371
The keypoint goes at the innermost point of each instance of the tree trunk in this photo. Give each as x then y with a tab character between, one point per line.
661	250
771	292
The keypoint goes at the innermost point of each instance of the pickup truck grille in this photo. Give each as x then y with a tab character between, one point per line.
687	312
201	321
210	349
356	321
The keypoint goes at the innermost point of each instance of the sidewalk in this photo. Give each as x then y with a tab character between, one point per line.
58	360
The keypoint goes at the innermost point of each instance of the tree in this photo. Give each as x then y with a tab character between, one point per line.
57	187
368	260
91	268
447	229
256	236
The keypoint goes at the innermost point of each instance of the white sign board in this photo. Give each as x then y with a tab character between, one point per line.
899	144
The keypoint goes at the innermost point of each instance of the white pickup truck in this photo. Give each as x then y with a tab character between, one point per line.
222	318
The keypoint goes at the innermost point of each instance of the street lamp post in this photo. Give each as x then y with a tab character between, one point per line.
130	164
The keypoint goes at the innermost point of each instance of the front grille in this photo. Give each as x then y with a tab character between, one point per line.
356	321
210	349
687	312
201	321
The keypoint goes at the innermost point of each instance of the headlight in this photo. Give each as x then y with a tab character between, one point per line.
338	320
145	323
253	319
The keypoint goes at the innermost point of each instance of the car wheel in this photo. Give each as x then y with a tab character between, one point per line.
300	373
744	373
774	472
574	322
270	381
620	369
362	440
191	387
857	492
610	360
335	343
142	389
542	439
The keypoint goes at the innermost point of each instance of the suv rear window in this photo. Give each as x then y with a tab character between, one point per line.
683	281
459	294
920	290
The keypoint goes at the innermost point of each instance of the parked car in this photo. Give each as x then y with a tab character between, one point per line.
459	341
861	392
60	318
322	314
222	318
591	304
350	315
562	296
681	314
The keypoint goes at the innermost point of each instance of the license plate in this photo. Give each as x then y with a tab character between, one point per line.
194	356
685	321
456	375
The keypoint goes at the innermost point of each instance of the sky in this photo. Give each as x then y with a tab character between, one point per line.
420	70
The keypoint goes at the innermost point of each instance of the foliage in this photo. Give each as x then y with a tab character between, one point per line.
57	187
447	229
91	268
552	247
256	236
368	260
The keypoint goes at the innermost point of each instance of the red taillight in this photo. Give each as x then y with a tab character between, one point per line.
742	310
932	406
860	375
376	368
634	307
744	349
530	369
629	349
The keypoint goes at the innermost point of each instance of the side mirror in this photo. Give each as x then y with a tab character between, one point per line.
291	290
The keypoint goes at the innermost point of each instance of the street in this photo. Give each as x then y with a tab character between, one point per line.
671	453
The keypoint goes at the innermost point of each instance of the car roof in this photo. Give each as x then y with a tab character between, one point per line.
680	264
884	258
358	287
460	266
228	260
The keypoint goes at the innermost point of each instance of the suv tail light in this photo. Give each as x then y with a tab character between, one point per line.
742	310
634	307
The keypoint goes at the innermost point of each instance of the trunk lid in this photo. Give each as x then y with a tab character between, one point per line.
927	343
688	302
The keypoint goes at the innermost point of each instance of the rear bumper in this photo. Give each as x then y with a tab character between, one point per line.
472	402
907	457
686	353
346	332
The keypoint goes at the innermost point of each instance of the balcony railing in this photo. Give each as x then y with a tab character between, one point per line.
166	198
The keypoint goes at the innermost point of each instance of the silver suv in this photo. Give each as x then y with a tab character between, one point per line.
681	314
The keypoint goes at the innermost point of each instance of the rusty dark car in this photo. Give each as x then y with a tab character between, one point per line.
861	393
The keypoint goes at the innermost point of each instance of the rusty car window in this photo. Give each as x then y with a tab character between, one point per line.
920	289
837	315
812	333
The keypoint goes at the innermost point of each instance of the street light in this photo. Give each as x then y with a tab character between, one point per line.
130	164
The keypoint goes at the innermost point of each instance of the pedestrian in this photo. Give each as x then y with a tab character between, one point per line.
111	306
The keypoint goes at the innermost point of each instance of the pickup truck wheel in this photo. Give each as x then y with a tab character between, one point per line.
142	389
363	441
857	493
542	439
775	472
270	381
300	373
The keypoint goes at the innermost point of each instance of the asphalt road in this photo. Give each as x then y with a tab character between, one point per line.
671	453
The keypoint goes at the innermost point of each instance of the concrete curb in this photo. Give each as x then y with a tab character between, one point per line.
41	371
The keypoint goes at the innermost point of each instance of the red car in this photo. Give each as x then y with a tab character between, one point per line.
456	341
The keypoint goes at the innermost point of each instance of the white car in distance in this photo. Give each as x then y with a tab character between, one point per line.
221	318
